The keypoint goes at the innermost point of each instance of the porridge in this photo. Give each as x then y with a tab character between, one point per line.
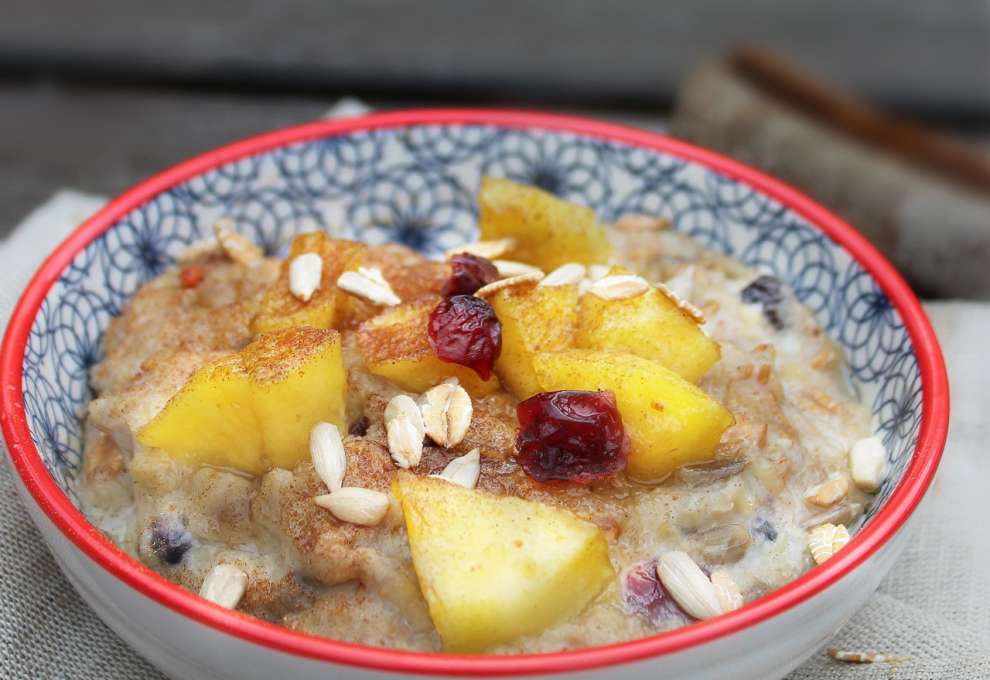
566	434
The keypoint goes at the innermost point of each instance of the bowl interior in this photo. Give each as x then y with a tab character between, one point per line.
417	184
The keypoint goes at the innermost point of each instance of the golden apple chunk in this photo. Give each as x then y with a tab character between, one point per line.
253	410
650	325
670	422
395	346
281	309
493	568
548	231
534	319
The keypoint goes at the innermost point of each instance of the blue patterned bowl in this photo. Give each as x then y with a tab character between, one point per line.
411	177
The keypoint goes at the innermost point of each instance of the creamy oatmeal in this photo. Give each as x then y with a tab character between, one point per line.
532	447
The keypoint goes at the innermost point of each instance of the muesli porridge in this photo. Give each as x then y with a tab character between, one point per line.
566	434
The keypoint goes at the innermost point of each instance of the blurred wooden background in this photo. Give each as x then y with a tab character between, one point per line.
98	95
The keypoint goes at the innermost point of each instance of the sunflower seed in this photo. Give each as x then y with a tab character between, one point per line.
224	585
564	275
368	283
727	591
495	286
682	283
304	275
486	249
510	268
405	430
354	505
327	451
707	473
723	544
825	540
374	275
464	470
598	271
619	287
868	463
238	248
197	249
838	514
829	492
459	413
688	585
690	310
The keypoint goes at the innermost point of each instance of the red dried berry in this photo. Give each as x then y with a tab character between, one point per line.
468	274
573	435
643	594
464	330
192	276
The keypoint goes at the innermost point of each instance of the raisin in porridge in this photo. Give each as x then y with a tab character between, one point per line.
565	434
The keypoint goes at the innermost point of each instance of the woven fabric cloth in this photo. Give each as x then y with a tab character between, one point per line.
933	608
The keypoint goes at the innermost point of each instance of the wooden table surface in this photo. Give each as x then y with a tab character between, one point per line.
103	139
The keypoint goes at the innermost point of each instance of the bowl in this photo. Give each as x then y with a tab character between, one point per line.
411	176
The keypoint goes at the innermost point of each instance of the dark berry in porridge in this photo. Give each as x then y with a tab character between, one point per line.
468	274
767	292
464	330
571	435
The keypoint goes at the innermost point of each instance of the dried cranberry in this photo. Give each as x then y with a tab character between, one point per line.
572	435
192	276
643	594
464	330
468	274
768	292
168	539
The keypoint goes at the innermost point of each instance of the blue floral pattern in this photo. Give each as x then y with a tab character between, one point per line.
417	185
419	206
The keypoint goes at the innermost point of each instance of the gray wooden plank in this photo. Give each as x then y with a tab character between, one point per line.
926	56
104	140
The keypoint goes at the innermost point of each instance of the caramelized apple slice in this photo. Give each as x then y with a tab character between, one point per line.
650	325
548	231
534	319
297	380
253	410
493	568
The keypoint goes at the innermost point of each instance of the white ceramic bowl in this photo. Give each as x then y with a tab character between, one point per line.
411	177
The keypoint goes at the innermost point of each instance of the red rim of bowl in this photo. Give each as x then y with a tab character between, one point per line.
75	527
